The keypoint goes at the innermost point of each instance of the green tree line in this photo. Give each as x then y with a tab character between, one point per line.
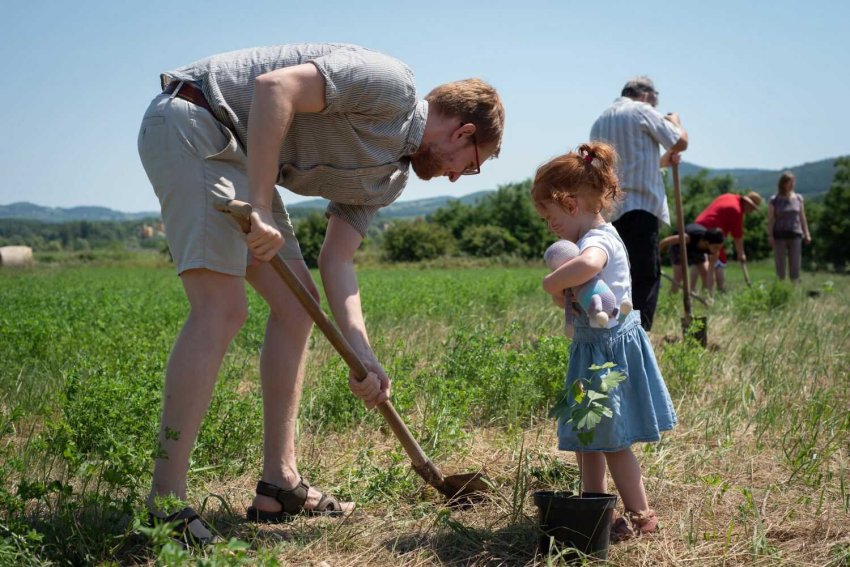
501	224
74	235
505	223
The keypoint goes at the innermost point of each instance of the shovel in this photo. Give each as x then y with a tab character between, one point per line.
694	294
457	488
700	335
746	274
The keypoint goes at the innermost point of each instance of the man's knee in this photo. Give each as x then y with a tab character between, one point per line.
224	319
217	301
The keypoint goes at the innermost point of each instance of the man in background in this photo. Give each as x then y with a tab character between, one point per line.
637	131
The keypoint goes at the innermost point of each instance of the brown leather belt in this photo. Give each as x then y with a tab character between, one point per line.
188	91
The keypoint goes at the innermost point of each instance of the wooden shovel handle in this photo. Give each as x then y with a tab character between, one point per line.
241	212
683	249
747	279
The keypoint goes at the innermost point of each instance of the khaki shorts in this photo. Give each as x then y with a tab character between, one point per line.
193	161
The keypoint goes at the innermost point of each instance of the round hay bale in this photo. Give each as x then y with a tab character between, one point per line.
15	256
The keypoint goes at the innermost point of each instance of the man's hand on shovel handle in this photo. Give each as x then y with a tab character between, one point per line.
374	389
669	159
265	239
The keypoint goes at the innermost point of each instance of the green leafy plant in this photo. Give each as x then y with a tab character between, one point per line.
583	404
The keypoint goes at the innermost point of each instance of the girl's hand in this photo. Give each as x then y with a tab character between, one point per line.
575	272
807	239
771	242
560	300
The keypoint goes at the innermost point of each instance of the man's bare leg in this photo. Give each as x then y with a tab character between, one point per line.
218	310
282	373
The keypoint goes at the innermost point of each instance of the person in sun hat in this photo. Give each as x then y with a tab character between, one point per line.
637	131
332	120
727	212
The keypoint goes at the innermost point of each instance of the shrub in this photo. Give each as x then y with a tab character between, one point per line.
761	299
833	227
310	233
412	241
488	241
509	208
491	379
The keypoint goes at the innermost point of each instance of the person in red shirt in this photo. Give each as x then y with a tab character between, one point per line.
727	212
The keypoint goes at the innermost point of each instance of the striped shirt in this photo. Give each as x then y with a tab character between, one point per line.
636	129
355	152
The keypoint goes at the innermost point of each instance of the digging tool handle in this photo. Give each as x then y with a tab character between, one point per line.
241	212
746	274
694	295
683	250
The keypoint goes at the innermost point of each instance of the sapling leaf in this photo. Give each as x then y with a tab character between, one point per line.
606	383
595	396
582	405
611	380
585	437
578	413
590	420
577	390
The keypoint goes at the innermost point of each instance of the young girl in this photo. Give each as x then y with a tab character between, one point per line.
571	193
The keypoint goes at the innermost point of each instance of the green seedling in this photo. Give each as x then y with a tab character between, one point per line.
583	405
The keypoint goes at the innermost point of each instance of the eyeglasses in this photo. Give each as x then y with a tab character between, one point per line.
477	169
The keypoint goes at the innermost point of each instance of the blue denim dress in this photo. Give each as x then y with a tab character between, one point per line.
641	404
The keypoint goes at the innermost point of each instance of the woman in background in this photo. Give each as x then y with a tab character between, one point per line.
787	227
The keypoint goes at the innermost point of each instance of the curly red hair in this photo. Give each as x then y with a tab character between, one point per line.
587	173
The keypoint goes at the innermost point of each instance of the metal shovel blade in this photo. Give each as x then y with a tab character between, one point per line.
466	488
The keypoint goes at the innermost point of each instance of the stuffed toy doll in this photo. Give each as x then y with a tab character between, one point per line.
594	296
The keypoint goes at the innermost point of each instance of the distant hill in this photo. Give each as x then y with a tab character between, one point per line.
399	209
30	211
813	179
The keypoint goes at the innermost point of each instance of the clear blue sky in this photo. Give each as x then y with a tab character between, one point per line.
757	84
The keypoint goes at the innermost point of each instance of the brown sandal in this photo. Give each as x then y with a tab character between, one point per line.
633	524
292	502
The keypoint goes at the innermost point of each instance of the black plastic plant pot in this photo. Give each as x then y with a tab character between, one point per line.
568	521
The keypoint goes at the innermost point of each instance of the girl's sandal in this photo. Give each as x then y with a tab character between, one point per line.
633	524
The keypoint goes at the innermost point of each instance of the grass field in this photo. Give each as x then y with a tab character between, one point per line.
756	473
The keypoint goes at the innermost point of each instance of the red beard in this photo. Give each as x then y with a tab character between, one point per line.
426	164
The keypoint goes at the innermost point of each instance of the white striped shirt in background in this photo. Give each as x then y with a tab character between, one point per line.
355	153
636	129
